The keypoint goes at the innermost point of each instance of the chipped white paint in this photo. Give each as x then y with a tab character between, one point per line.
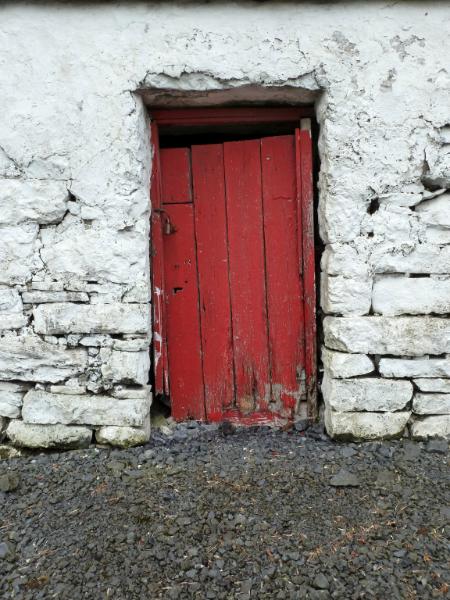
74	179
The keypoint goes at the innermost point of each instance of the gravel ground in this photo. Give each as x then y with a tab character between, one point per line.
228	514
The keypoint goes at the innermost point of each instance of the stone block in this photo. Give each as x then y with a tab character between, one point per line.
132	345
414	367
96	341
28	358
411	258
97	253
370	394
131	367
11	310
48	436
435	211
430	427
43	297
404	336
431	404
365	425
346	260
437	235
345	296
343	365
60	318
19	253
46	408
72	390
124	437
132	392
10	403
47	285
396	295
41	201
434	385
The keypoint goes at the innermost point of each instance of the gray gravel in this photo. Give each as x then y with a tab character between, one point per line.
228	514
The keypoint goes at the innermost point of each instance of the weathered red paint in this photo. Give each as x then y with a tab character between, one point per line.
183	323
242	162
191	117
283	277
238	274
212	257
176	182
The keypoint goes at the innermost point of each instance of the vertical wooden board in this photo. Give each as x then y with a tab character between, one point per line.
159	334
284	284
183	324
305	176
176	170
212	260
242	162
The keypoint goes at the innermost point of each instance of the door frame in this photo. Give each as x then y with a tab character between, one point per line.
195	117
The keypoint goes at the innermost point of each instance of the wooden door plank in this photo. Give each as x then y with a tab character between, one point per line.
176	181
283	276
305	177
183	324
161	381
212	260
242	162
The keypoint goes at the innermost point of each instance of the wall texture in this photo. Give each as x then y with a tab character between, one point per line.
74	179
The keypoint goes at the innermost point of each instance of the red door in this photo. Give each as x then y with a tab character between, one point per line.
233	279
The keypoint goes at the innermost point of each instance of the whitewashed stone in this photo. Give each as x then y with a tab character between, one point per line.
139	293
342	365
102	318
435	211
346	260
42	297
437	235
96	254
97	341
11	310
72	390
366	394
124	437
404	336
365	425
19	256
396	295
411	258
401	199
416	367
434	385
429	427
28	358
9	386
47	285
132	367
10	403
46	408
431	404
132	345
132	392
345	296
48	436
394	224
32	200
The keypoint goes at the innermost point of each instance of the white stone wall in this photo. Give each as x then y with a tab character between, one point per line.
74	179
